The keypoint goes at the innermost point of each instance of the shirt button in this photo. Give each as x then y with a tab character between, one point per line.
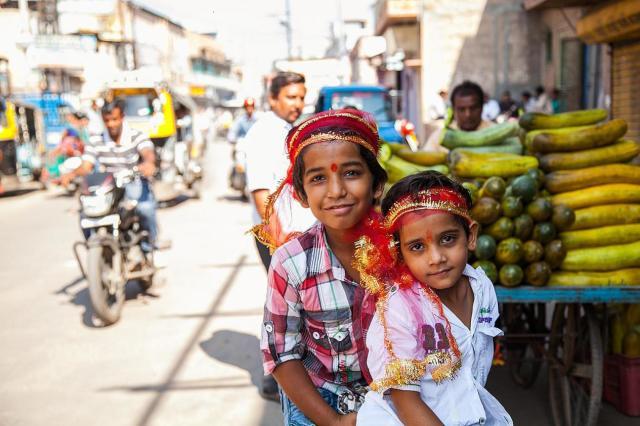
316	335
269	328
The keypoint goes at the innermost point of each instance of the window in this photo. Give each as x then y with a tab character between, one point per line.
376	103
138	106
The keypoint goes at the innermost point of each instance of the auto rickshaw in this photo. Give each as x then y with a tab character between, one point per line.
21	144
167	119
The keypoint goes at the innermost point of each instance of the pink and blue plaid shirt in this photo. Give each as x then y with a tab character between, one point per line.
316	314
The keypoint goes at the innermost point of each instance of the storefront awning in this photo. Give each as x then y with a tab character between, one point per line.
616	21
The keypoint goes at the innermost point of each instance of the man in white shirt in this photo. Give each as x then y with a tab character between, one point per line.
267	164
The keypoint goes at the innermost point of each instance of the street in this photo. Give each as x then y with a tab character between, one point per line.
184	354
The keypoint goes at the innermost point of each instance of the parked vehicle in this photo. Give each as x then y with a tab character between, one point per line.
372	99
115	242
21	144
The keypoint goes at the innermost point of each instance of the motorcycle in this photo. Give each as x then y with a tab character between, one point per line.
238	173
114	247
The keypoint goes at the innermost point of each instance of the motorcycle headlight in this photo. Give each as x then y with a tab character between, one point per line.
96	205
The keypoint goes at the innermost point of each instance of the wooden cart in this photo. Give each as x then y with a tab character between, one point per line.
573	347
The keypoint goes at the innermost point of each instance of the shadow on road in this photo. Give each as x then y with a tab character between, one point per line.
81	298
18	192
238	349
234	198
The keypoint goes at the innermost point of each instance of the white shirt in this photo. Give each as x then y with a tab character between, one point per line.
459	401
490	110
267	164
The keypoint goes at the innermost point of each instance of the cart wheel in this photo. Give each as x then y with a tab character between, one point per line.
524	355
575	366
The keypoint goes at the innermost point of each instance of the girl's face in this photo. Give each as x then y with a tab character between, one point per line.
435	247
338	184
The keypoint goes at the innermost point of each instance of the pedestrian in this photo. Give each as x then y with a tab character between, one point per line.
556	105
430	345
527	103
467	101
508	106
490	108
267	162
316	313
541	102
438	109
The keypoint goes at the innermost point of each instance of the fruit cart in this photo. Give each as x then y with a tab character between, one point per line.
573	347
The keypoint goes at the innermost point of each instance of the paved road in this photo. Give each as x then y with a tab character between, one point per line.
185	354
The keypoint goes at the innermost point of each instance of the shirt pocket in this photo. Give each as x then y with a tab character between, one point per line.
332	335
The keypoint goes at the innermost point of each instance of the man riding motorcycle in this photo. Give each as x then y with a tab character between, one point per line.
123	148
243	123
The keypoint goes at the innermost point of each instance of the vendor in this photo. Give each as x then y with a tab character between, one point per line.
466	101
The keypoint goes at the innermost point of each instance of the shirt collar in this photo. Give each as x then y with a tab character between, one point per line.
280	121
124	135
322	259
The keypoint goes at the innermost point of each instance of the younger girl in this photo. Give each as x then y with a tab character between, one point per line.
431	341
316	313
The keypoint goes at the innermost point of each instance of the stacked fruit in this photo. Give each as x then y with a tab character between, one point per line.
399	161
498	138
588	171
625	330
518	238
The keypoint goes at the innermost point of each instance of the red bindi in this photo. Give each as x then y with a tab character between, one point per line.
334	167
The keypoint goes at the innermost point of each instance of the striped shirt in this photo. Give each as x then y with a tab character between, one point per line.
316	314
113	157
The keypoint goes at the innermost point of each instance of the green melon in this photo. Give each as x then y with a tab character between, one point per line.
512	206
500	229
538	274
523	227
524	187
544	232
485	247
509	251
540	209
532	251
511	275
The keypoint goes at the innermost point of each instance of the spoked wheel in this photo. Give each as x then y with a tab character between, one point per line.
575	366
106	281
524	353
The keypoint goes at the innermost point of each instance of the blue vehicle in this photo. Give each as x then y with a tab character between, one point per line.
372	99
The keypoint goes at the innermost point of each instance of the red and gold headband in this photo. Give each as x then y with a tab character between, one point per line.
440	199
308	132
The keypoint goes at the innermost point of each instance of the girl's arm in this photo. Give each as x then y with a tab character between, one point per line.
294	380
412	410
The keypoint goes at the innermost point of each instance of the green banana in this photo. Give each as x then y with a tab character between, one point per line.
510	145
584	138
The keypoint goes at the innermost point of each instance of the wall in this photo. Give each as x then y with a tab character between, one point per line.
493	42
24	79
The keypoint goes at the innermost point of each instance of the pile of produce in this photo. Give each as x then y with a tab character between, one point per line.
586	161
499	138
625	330
517	242
399	161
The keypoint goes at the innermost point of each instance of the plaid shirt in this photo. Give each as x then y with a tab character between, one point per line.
316	314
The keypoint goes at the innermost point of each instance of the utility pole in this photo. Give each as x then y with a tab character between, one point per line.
287	25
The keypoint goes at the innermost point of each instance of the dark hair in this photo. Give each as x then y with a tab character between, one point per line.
108	107
379	174
423	181
539	90
283	79
526	94
467	88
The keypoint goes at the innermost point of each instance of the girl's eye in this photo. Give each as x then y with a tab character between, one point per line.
316	178
352	173
416	247
448	239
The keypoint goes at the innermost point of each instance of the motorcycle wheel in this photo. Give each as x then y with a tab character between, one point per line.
106	285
